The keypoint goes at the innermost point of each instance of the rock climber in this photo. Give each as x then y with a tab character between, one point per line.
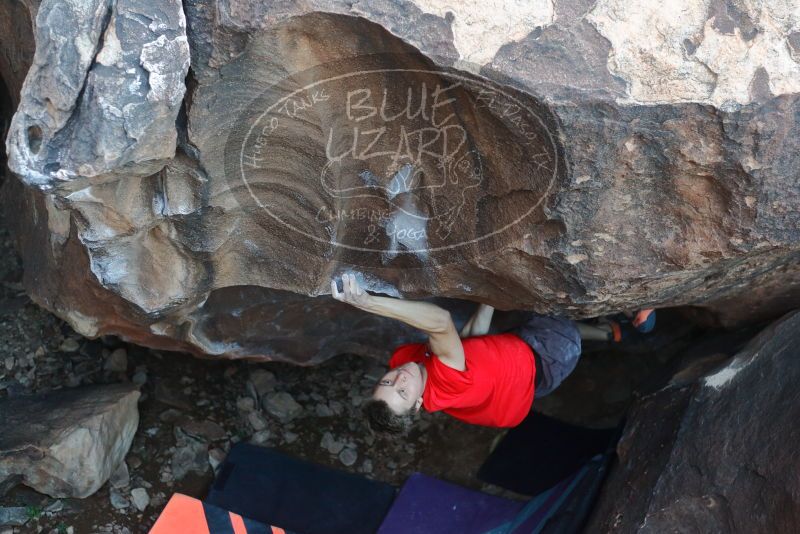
477	377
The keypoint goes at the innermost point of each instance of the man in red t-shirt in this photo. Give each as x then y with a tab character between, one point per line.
483	379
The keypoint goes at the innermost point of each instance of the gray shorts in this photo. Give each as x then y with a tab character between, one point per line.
557	344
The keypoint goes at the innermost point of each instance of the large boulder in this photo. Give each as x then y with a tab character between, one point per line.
569	158
714	453
68	442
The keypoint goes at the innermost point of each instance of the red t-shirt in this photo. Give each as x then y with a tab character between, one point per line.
495	389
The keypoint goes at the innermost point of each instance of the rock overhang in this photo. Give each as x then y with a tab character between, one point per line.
667	202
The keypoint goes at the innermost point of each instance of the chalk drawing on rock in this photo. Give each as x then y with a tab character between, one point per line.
375	164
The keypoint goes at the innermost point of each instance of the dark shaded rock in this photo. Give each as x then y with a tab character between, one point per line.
117	361
552	177
118	500
189	456
18	46
215	458
203	430
68	442
170	395
330	444
121	477
257	421
714	453
262	382
282	405
13	515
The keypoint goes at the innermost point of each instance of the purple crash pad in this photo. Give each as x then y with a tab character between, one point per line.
426	504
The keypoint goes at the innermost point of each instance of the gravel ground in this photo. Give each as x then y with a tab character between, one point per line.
193	410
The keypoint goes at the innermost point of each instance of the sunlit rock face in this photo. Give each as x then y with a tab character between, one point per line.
195	174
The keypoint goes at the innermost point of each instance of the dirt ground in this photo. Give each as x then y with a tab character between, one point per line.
193	410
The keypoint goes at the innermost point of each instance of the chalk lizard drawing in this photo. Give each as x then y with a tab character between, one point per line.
445	197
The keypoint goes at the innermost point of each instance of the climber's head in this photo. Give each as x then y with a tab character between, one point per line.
397	396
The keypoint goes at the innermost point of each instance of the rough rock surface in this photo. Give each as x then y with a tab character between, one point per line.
573	158
68	442
102	93
714	454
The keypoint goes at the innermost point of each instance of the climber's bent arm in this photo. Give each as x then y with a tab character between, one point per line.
479	323
430	318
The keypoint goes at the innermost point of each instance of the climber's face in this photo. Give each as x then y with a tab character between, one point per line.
401	388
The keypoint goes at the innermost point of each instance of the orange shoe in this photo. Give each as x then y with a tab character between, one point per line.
645	320
616	331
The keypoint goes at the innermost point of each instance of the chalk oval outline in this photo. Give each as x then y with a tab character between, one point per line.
415	251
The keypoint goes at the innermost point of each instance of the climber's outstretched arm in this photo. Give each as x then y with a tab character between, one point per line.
430	318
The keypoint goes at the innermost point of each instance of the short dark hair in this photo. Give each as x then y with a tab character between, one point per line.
381	418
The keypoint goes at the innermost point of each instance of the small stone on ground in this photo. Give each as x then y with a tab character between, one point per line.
140	498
